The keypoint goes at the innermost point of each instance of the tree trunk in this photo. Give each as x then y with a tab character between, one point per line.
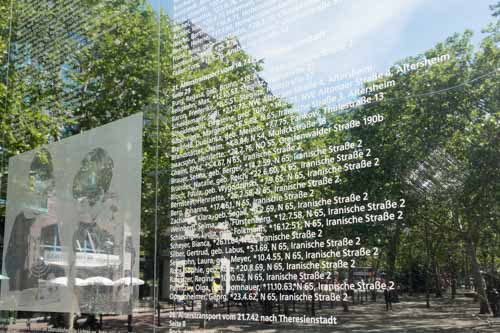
453	271
313	304
203	323
427	288
410	277
427	267
454	287
479	282
437	280
392	253
345	305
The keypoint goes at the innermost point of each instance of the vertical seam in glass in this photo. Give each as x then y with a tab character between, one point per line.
155	282
3	181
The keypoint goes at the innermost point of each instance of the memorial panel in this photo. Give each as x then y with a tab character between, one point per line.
322	158
293	165
73	221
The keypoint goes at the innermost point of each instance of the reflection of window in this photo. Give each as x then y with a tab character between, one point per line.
50	238
92	239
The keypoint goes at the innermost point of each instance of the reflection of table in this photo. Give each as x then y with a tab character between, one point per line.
43	295
96	299
101	291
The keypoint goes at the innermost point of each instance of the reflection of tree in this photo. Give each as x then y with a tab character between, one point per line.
420	127
101	74
41	176
440	127
41	182
94	177
437	146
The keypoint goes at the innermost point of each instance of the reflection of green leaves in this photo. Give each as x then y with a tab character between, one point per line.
495	9
4	35
41	173
239	102
439	148
94	177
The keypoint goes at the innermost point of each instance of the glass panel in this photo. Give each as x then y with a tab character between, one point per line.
75	67
305	165
325	165
75	247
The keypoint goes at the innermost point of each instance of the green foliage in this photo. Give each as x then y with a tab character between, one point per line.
438	147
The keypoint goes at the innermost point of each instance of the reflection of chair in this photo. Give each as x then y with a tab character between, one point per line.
90	238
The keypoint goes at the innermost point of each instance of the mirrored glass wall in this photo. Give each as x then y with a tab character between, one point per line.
250	166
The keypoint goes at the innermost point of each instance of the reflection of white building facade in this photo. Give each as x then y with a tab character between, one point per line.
176	267
47	254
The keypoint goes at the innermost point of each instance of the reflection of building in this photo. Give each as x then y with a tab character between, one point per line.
46	258
194	50
72	222
198	40
44	238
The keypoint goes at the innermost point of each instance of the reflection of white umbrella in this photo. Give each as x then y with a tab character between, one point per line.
63	281
98	281
3	277
126	281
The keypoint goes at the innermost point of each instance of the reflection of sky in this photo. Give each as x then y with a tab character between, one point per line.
382	32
